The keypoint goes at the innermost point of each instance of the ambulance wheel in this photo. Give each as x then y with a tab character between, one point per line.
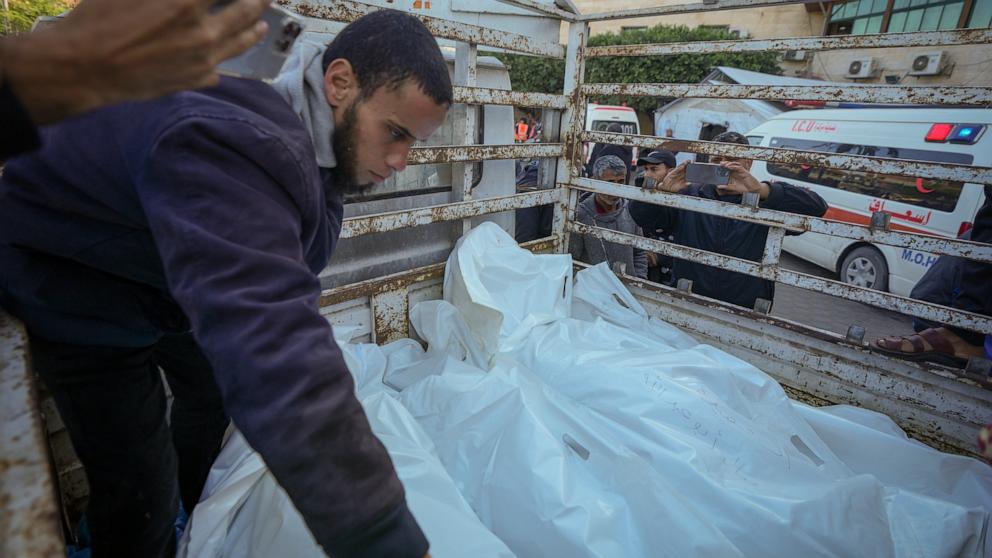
865	267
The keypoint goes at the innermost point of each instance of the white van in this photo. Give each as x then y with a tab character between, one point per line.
599	117
920	205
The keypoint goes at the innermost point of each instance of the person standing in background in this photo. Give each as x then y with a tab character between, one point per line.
608	212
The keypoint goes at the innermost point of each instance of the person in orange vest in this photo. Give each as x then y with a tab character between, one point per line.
520	134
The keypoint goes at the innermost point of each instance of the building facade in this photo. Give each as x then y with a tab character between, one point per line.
949	65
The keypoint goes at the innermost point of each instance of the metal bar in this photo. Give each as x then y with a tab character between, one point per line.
686	9
910	95
885	40
880	165
466	59
30	525
347	11
544	9
550	132
573	121
791	221
389	315
485	96
773	246
404	279
394	220
818	367
903	305
464	153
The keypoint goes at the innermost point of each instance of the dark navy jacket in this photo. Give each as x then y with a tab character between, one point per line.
17	133
725	236
207	211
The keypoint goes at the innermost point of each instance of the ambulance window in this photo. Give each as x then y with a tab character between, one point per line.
625	127
940	195
754	140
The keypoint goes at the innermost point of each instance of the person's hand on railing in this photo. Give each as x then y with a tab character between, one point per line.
741	181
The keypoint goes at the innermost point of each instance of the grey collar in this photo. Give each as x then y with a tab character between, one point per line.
301	84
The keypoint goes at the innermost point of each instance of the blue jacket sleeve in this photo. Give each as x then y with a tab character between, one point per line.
222	198
783	196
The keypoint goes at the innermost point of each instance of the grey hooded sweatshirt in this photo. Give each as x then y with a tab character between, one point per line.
592	250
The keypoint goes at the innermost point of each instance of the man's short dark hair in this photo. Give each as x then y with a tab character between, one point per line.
386	48
614	128
731	137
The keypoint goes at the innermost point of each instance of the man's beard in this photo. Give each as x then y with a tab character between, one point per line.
345	151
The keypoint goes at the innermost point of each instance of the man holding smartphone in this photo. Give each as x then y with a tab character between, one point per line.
186	234
655	166
720	234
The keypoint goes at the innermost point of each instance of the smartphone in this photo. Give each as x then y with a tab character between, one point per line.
264	60
705	173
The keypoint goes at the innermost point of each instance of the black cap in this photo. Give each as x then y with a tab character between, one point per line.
731	137
663	156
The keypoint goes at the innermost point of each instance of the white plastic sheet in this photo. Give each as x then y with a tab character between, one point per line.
245	513
502	290
752	474
574	424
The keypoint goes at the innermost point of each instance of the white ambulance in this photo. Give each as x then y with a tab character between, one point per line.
920	205
599	117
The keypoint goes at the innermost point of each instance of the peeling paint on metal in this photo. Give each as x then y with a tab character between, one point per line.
404	279
879	165
574	117
939	409
885	40
793	222
464	153
903	305
346	11
31	524
382	222
911	95
389	315
545	9
485	96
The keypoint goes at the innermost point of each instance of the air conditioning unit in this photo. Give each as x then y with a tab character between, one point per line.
861	68
794	55
928	64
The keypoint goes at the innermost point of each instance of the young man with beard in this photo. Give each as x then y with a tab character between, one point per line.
721	234
187	233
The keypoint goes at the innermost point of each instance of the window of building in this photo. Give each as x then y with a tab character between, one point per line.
924	15
733	32
857	17
862	17
632	28
981	15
